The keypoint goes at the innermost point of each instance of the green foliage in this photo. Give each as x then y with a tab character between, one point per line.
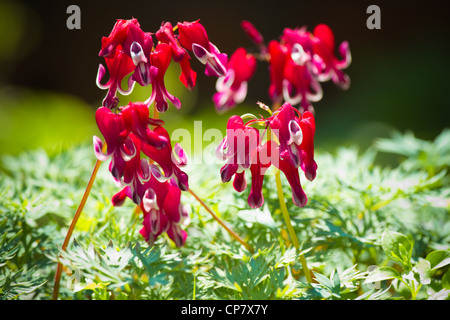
369	231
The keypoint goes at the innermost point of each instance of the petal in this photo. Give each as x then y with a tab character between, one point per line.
190	33
344	51
239	182
119	198
177	234
156	173
137	54
188	76
171	204
180	157
325	34
227	171
298	195
149	201
144	172
165	34
256	198
298	55
296	134
98	149
128	149
100	73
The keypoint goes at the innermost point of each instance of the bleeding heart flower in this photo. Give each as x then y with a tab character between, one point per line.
160	60
193	37
163	212
232	88
328	65
119	66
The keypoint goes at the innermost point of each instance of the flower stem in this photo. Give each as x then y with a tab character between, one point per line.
73	224
231	232
291	230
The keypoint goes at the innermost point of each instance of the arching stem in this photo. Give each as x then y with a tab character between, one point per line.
231	232
73	224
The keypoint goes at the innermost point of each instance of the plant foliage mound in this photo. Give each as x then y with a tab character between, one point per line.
369	231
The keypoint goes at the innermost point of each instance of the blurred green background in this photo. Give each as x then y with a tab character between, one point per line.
399	74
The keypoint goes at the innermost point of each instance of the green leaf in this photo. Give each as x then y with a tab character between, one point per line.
398	247
446	279
262	217
323	280
423	269
383	273
333	284
438	258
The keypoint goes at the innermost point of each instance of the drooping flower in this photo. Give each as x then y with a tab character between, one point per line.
300	86
163	212
119	66
119	146
160	60
171	160
278	57
166	35
328	65
232	88
128	37
295	135
243	149
193	37
237	147
117	36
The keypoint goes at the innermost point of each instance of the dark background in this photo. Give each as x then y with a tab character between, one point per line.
399	74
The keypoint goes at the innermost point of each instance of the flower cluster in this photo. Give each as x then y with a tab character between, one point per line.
298	63
291	148
130	50
143	162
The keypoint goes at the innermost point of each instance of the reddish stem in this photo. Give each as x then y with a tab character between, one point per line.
72	227
231	232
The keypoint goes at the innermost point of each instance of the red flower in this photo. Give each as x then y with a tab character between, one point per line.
154	183
163	212
136	44
328	65
119	66
167	160
299	62
232	88
295	134
278	58
193	37
160	60
166	35
242	150
300	85
117	36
